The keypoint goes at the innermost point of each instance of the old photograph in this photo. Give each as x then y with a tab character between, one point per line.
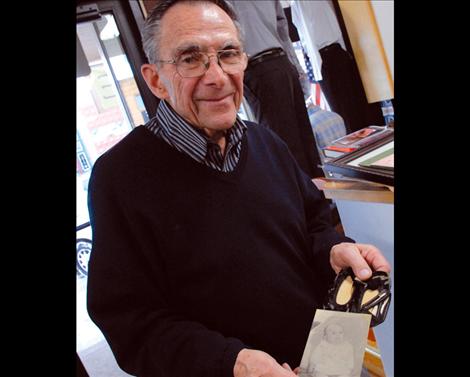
335	345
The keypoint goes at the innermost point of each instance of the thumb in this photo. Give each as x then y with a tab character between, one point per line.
369	258
360	266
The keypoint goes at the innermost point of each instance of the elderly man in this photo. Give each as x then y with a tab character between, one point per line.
211	248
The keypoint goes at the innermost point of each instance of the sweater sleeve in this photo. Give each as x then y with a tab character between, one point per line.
129	302
323	235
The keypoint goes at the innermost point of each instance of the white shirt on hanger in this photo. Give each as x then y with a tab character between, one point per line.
318	27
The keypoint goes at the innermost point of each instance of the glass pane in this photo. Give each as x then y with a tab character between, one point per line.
109	106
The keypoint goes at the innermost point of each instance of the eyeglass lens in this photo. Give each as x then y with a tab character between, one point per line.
193	64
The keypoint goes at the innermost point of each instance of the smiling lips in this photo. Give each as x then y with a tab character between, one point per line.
216	100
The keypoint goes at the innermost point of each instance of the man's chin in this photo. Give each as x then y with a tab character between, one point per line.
220	123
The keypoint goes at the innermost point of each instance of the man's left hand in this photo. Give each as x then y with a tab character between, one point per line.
362	258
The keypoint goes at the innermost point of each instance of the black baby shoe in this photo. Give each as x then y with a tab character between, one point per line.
340	296
350	294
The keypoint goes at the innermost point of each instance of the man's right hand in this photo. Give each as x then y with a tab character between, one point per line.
254	363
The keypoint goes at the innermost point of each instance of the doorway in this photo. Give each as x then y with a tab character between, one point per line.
109	105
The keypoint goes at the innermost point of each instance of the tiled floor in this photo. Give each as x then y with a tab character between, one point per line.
99	361
87	332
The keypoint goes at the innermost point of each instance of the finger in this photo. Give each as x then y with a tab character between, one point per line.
374	257
286	371
349	255
286	366
361	268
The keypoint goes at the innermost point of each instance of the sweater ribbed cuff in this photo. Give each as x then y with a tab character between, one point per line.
234	346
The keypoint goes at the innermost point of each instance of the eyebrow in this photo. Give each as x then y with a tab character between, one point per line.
231	45
188	47
192	47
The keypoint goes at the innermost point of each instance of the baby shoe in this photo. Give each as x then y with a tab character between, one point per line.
341	294
373	296
349	294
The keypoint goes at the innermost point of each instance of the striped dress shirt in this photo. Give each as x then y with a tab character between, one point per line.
184	137
326	126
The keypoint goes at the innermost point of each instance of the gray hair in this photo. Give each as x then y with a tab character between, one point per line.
151	32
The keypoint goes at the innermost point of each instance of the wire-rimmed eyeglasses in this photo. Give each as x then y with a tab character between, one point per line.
196	63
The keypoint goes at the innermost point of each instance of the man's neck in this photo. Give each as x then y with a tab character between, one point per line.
218	137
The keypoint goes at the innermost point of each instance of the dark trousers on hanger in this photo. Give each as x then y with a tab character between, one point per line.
342	86
273	91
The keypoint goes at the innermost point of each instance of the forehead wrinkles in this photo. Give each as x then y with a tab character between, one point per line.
198	25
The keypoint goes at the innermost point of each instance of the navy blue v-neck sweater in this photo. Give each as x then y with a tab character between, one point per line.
190	265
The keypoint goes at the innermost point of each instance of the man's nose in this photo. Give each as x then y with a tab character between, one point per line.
214	72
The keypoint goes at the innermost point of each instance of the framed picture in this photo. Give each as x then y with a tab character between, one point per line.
382	158
374	163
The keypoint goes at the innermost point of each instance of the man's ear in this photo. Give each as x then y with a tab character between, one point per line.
153	80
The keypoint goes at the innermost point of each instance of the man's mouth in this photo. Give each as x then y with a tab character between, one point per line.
216	99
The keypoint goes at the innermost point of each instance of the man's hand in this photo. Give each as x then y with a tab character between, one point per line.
360	257
254	363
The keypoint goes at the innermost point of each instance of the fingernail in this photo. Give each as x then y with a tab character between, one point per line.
364	273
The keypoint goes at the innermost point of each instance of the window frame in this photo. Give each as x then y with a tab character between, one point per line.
128	19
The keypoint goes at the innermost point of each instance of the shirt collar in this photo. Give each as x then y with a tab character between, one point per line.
186	138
